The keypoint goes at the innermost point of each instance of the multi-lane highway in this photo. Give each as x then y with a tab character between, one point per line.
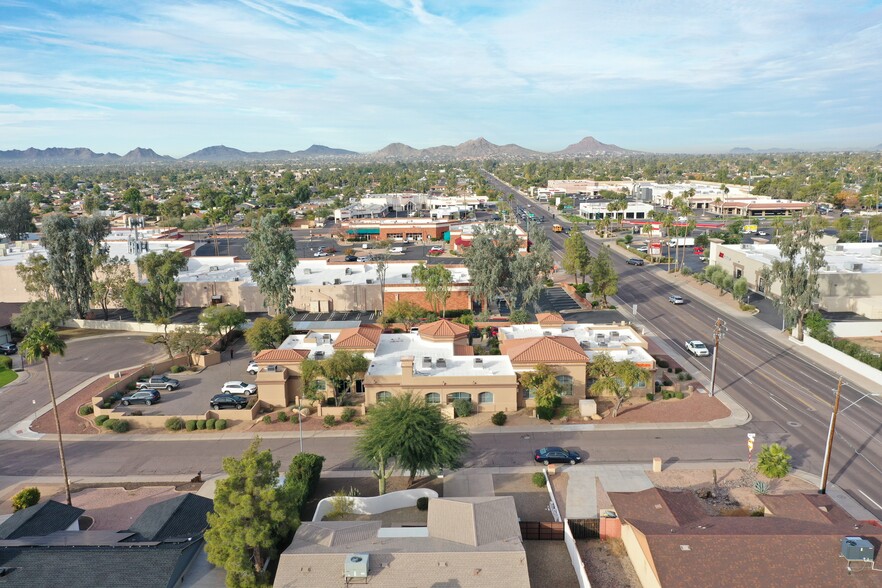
789	396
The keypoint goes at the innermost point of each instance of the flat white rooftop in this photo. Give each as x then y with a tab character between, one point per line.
840	257
15	254
426	356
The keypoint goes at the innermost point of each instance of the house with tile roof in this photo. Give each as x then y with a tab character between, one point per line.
438	364
467	542
155	552
673	541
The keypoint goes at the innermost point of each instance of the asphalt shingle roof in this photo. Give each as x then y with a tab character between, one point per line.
179	517
38	520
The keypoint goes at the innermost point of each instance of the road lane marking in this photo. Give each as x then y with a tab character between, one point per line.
853	403
870	499
772	398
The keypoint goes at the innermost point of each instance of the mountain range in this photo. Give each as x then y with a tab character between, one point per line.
479	148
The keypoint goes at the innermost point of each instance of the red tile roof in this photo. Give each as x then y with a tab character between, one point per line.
463	350
546	319
443	329
281	355
543	350
363	337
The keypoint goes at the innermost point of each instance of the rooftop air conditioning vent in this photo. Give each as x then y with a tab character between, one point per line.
854	267
546	333
356	565
319	354
348	271
427	362
307	271
441	362
403	275
213	268
479	361
337	281
857	549
368	281
839	248
876	250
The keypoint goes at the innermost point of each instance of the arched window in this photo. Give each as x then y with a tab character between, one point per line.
433	398
381	396
459	396
485	398
566	385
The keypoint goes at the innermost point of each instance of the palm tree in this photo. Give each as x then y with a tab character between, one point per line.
41	342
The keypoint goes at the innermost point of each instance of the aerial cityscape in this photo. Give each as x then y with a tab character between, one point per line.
440	294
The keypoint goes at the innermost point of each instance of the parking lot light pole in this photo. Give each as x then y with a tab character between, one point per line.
719	333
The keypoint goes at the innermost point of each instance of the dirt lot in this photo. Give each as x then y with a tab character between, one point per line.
549	565
531	501
734	492
607	564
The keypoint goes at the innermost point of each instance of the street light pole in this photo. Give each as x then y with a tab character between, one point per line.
822	489
719	333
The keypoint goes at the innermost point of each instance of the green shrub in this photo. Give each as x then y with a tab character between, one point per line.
661	363
191	425
220	424
670	370
107	404
176	369
678	395
329	420
174	423
267	419
758	513
200	425
86	410
101	419
131	387
302	478
110	423
499	418
687	376
667	382
120	426
678	370
462	408
546	413
209	424
25	498
5	362
359	422
422	503
582	289
650	396
539	479
282	416
348	415
773	461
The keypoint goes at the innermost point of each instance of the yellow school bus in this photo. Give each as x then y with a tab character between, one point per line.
557	228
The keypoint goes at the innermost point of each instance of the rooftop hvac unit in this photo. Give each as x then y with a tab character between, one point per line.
403	275
441	362
427	362
857	549
479	361
838	248
213	268
546	333
876	250
854	267
348	271
319	354
337	281
368	281
356	565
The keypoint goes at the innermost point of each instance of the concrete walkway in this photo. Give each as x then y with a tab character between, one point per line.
582	486
466	483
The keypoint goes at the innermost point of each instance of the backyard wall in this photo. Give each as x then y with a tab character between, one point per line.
857	329
377	504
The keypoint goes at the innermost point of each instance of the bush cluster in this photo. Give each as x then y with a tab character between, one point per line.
267	419
25	498
282	416
101	419
119	426
661	363
200	425
220	424
348	415
546	413
499	418
422	503
172	423
176	369
819	327
191	425
462	408
86	410
650	396
5	362
210	424
329	420
539	479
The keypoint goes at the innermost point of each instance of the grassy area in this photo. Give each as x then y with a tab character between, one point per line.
7	376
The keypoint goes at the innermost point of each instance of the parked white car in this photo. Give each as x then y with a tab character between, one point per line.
697	348
252	368
396	250
238	387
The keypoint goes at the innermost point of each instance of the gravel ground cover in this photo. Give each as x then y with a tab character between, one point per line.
549	565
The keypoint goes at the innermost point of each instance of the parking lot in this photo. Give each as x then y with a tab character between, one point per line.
196	390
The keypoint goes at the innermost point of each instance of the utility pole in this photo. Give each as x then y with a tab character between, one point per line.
822	489
719	333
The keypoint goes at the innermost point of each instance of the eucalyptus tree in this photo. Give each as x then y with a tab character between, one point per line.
437	281
273	253
16	219
69	254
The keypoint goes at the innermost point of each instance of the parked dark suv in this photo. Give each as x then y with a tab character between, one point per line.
8	348
219	401
147	397
635	261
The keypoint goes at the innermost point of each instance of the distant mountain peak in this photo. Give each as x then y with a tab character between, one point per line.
591	146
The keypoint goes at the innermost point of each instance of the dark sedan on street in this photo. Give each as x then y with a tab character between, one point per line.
635	261
549	455
219	401
147	397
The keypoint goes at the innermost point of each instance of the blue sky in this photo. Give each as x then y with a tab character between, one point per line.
675	75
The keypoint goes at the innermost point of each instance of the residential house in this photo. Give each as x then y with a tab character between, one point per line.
467	542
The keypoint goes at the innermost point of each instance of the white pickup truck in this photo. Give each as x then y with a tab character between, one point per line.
697	348
157	383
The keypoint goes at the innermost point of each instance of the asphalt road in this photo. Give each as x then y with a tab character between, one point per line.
789	397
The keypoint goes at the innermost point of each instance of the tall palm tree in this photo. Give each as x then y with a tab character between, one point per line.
41	342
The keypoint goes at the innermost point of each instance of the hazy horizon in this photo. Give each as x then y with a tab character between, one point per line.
259	75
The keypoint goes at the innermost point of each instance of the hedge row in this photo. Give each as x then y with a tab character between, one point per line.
303	477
